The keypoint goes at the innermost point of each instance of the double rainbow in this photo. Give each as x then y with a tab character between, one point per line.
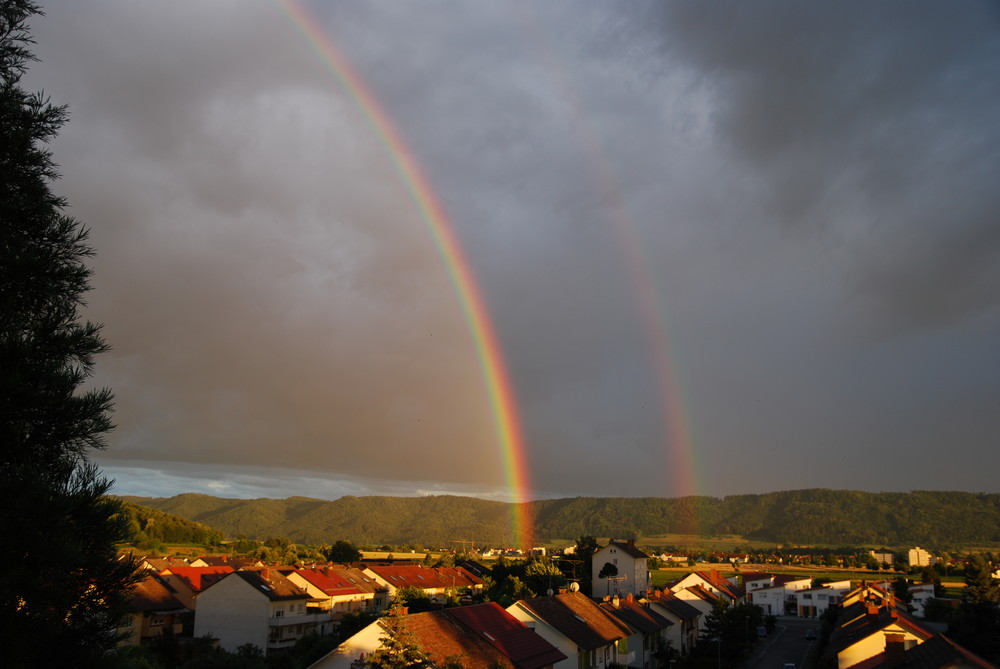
488	350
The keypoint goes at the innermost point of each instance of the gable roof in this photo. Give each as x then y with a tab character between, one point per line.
939	651
198	578
329	581
635	615
871	621
272	584
675	605
627	547
716	580
425	578
525	648
484	636
154	595
578	618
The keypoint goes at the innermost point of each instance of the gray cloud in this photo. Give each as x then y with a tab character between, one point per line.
793	203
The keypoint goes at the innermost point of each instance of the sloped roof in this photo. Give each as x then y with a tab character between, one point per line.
675	605
703	593
525	648
272	584
329	581
636	616
939	652
716	580
424	578
872	621
440	637
153	594
199	578
628	547
579	619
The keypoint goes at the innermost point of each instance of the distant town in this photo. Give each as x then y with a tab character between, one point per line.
593	605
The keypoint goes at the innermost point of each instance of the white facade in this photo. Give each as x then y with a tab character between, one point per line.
918	557
633	570
236	613
550	634
779	600
813	602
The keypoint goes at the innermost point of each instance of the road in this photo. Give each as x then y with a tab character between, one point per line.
786	645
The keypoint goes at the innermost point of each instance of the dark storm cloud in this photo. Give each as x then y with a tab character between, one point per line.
794	202
875	119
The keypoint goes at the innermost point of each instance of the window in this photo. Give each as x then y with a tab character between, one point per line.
278	613
156	621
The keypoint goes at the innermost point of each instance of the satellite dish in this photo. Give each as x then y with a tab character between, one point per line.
574	587
549	592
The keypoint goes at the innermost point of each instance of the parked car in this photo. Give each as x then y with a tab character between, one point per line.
789	665
810	634
762	631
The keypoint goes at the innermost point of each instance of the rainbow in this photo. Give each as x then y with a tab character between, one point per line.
679	460
488	350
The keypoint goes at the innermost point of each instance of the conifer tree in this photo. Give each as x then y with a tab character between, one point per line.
62	586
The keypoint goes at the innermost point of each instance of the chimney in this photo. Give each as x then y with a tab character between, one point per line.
616	602
872	610
895	650
631	543
265	574
629	598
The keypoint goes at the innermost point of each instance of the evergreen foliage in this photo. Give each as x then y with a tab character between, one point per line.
62	588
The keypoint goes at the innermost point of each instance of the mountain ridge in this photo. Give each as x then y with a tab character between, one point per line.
811	516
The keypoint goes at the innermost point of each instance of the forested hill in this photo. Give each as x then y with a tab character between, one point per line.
153	526
837	517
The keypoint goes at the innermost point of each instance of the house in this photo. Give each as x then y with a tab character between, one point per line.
778	598
227	561
921	594
938	652
578	627
189	582
482	636
628	566
335	590
702	599
872	632
435	582
153	611
867	629
686	619
156	565
713	582
814	602
649	629
260	607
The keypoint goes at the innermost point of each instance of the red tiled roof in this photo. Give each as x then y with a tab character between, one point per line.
198	578
424	578
440	638
329	581
675	605
525	648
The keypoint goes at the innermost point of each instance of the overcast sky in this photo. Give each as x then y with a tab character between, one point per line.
727	247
